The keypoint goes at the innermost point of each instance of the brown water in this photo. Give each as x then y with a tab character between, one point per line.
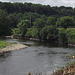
38	57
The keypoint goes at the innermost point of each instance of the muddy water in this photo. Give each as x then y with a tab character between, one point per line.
38	57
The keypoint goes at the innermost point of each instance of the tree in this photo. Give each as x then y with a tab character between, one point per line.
23	25
51	21
48	33
15	19
16	32
40	22
70	34
65	22
62	36
4	24
32	32
31	17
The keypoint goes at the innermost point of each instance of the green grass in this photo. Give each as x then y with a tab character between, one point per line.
3	43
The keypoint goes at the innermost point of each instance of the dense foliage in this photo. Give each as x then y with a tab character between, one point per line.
22	28
36	8
65	22
51	21
70	34
4	24
37	21
62	35
48	33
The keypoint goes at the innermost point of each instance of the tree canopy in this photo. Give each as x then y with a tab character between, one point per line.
48	33
22	26
51	21
65	22
4	24
35	20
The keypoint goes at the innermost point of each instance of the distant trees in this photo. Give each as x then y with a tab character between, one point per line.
36	20
36	8
65	22
14	19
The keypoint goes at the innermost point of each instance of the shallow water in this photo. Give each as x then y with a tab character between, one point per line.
38	57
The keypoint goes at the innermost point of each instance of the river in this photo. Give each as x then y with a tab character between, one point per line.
38	57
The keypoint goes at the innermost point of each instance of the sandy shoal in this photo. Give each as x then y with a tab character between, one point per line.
13	47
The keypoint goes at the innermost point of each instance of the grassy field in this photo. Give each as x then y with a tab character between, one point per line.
3	43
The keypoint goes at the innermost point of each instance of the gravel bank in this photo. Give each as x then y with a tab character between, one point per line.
70	70
12	47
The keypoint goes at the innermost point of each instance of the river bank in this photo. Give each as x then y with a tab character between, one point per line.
12	47
38	57
69	70
36	39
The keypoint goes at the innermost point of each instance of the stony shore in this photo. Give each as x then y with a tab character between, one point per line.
12	47
70	70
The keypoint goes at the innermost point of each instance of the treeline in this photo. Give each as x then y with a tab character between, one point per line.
48	29
35	20
36	8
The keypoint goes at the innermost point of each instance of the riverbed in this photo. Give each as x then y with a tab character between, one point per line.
37	57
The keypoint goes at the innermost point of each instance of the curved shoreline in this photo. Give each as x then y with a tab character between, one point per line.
13	47
69	70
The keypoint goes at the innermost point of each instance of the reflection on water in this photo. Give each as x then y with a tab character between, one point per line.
38	57
4	55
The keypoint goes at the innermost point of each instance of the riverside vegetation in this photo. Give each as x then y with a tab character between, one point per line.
68	70
3	43
10	46
37	21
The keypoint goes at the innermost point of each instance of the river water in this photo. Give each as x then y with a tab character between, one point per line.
38	57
